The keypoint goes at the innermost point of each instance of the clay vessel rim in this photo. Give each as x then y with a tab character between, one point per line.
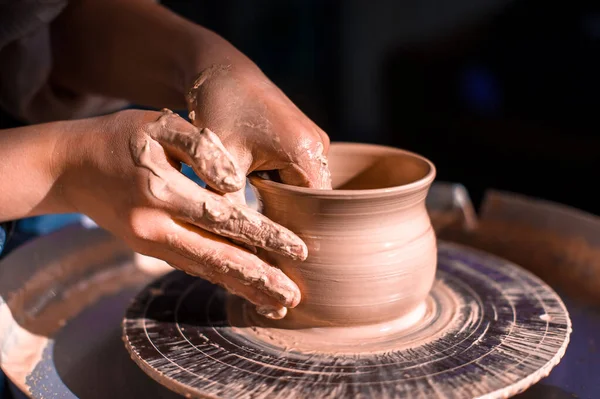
416	185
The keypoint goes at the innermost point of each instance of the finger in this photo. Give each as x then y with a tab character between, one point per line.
233	285
201	149
237	197
190	203
266	305
211	257
324	139
308	168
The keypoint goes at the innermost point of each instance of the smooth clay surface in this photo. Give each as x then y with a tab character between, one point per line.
371	247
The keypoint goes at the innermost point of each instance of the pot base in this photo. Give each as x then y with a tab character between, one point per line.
502	330
422	325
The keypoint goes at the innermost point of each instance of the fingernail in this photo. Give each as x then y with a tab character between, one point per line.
289	243
301	251
296	248
294	300
271	312
233	182
288	296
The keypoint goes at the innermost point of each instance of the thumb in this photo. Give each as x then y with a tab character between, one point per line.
237	197
308	168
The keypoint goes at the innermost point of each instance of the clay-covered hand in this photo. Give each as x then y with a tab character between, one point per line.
123	172
259	125
156	58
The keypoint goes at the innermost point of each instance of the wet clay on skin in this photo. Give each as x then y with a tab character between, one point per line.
372	250
258	137
216	165
215	213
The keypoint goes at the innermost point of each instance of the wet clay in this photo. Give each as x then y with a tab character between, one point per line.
425	323
486	329
205	255
270	134
35	309
211	212
371	246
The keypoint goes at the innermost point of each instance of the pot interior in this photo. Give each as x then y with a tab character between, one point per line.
366	167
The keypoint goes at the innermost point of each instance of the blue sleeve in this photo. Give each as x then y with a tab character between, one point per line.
6	230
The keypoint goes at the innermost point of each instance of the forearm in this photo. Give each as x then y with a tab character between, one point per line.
136	50
29	170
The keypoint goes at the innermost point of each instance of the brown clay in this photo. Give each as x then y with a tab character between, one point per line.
371	247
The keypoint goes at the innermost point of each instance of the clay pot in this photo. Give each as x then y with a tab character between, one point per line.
371	247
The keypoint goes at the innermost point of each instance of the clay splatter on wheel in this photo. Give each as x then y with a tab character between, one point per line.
506	330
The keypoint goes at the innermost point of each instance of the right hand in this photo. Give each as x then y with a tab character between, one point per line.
122	170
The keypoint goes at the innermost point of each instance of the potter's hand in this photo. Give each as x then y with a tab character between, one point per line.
259	125
124	175
155	58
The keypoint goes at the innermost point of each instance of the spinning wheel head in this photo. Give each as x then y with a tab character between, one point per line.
488	328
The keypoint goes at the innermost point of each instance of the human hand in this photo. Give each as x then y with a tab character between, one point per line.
185	64
259	125
122	170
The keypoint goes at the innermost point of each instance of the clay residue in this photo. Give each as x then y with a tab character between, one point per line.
20	349
262	128
495	345
318	157
200	148
47	286
59	288
195	251
425	323
207	74
210	211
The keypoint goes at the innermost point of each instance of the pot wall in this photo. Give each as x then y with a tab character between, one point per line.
372	253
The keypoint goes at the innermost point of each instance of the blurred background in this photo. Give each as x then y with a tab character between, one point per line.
497	93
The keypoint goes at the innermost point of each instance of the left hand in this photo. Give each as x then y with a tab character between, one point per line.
259	125
153	57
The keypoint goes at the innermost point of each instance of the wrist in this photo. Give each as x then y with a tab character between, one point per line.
76	149
61	150
29	169
209	53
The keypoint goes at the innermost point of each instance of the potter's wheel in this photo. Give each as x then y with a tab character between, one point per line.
78	352
506	330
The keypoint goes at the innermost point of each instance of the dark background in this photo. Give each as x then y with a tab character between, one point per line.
497	93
